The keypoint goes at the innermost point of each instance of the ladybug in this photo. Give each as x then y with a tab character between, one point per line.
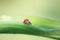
26	21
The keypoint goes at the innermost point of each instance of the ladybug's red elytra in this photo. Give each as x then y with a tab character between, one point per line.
26	21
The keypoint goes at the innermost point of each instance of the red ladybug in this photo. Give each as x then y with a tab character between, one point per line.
26	21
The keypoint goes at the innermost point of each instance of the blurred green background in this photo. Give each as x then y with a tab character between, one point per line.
42	8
